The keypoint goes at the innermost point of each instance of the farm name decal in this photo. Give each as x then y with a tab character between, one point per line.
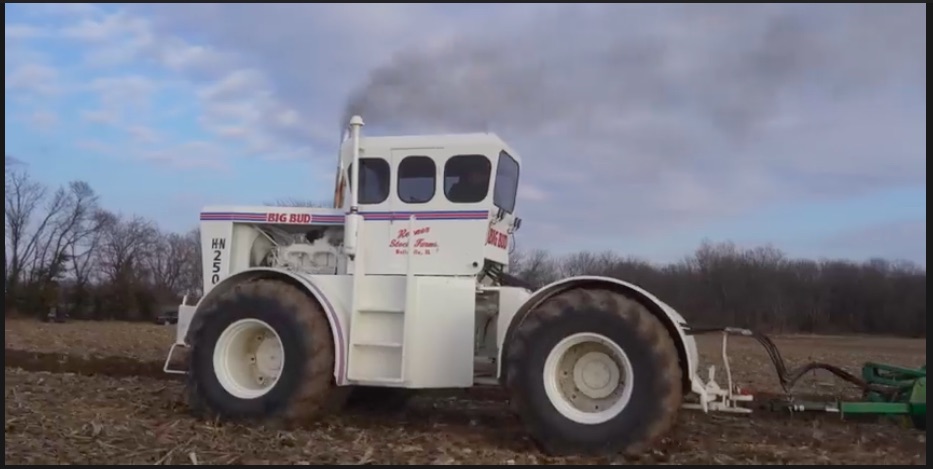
422	245
497	238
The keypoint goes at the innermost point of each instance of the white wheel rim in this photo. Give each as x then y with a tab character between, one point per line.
588	378
248	358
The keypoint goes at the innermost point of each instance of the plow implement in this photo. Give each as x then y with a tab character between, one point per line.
891	391
887	390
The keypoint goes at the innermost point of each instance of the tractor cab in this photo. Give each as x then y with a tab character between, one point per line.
436	204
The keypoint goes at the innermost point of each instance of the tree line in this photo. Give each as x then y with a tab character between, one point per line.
65	251
761	288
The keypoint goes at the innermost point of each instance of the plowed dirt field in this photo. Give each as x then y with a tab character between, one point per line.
94	393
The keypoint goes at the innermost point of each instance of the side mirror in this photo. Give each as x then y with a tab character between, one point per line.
517	224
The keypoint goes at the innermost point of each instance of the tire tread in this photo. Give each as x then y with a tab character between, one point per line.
317	393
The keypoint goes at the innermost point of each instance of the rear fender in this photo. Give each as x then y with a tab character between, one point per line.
306	284
673	321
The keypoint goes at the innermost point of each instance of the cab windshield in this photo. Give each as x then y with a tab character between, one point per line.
506	188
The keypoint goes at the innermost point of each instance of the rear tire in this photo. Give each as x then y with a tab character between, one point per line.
263	351
592	371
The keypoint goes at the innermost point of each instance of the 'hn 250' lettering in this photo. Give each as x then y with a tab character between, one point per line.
217	245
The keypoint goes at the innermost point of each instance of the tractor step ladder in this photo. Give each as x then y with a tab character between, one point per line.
378	324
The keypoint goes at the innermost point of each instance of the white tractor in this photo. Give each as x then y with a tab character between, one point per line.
401	286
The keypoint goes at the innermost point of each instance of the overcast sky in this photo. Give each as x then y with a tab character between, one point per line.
643	128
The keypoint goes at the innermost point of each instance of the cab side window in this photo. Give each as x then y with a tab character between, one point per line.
506	189
417	179
375	176
466	178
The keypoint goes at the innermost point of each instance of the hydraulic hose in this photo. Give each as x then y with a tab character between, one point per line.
788	378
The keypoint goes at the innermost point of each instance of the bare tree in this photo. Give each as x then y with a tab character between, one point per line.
84	265
170	262
536	267
23	197
582	263
73	218
121	259
192	276
124	244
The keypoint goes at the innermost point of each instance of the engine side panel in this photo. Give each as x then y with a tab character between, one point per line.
234	239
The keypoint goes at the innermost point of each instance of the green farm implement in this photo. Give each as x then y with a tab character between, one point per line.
887	390
890	391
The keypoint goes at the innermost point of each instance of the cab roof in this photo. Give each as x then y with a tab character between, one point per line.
401	142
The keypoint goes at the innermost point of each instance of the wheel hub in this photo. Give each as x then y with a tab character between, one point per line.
596	375
588	378
268	360
248	358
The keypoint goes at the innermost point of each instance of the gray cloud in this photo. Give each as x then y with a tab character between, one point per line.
593	69
678	111
633	119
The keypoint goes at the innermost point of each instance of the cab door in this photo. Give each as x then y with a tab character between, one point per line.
416	194
375	201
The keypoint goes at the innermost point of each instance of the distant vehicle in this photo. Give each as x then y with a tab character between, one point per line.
55	315
167	317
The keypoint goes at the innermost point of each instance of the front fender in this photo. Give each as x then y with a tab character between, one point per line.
303	282
672	320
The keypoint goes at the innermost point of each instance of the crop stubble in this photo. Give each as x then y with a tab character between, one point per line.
135	415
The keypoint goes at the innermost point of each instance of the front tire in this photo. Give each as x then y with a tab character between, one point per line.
264	350
593	371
